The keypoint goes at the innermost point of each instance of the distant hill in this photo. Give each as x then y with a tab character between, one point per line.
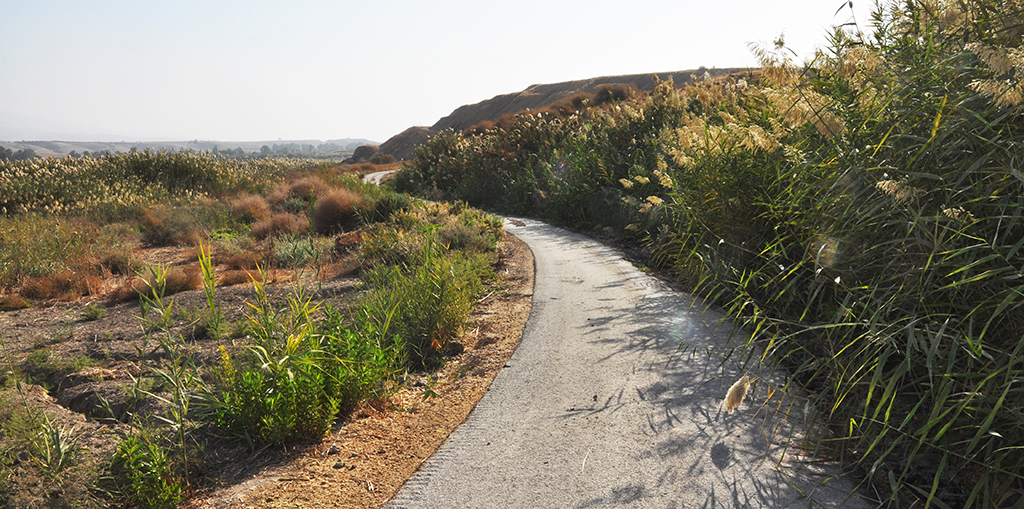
539	96
403	145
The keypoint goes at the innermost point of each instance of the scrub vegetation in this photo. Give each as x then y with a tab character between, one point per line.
861	215
295	359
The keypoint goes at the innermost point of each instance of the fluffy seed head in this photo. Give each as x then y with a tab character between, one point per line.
736	393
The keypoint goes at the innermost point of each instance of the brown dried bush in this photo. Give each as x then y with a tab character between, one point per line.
240	260
121	262
168	226
304	188
366	168
249	208
66	285
337	211
237	277
278	224
13	303
178	279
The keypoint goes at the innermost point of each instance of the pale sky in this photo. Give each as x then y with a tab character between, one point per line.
143	70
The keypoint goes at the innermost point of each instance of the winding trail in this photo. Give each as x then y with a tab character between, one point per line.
600	407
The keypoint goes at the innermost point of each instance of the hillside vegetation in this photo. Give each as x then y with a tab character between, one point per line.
862	216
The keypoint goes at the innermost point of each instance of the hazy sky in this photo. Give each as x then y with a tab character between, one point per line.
257	70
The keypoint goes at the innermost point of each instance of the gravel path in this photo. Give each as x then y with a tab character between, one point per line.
600	407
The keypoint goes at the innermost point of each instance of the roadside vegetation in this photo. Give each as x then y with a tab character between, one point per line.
289	368
861	215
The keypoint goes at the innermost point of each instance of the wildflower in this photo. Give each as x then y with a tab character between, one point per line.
626	183
736	393
641	180
654	200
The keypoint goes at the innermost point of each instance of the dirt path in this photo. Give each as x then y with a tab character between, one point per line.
599	406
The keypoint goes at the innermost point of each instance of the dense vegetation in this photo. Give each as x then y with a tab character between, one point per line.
287	370
862	216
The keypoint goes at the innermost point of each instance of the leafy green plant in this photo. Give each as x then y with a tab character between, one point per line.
144	472
302	251
431	298
215	321
93	311
153	299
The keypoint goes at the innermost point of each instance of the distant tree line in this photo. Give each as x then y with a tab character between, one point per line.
304	150
7	154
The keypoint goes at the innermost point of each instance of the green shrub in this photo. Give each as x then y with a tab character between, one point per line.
432	298
144	471
302	251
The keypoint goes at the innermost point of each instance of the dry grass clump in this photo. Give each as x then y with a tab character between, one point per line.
278	224
13	303
337	211
233	277
304	188
66	285
169	226
249	208
177	280
241	260
366	168
121	262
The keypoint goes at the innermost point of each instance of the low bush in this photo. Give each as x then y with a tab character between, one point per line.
66	285
337	211
248	208
170	226
283	223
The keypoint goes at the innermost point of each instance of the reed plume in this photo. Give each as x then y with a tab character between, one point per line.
736	393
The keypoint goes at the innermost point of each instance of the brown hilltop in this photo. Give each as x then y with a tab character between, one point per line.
402	146
538	96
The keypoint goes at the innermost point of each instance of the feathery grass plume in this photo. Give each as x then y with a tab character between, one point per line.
736	393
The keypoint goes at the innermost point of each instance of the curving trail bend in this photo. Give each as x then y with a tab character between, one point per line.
599	406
